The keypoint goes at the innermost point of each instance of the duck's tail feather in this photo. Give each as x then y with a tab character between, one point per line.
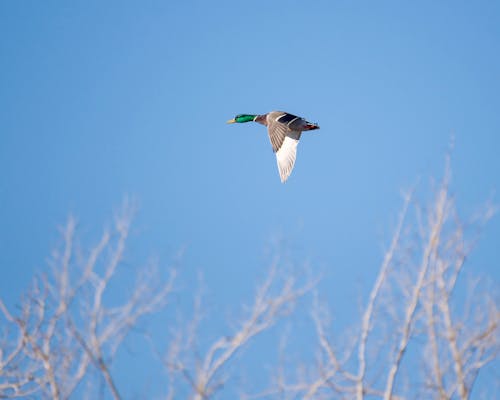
311	126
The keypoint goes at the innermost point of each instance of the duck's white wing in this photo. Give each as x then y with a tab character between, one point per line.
284	140
285	156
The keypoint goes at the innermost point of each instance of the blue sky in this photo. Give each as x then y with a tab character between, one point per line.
99	101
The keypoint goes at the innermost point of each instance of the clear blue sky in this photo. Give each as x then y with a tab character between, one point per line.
102	100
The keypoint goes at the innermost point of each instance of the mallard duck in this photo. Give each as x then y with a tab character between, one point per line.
284	131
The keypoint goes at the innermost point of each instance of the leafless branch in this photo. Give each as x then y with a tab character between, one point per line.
274	299
65	326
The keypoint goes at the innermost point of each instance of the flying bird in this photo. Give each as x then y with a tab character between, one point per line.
284	131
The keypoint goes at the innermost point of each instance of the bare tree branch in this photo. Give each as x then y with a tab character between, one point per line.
368	315
414	294
65	326
208	377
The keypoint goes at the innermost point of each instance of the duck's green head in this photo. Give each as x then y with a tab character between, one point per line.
240	118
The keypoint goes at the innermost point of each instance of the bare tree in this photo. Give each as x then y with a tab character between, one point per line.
206	373
412	320
64	327
415	337
65	331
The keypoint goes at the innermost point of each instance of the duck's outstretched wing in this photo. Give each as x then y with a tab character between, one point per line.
279	123
284	132
285	156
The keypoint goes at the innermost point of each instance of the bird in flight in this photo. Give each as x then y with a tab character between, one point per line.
284	131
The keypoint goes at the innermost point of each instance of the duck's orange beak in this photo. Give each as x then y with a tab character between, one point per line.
231	121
